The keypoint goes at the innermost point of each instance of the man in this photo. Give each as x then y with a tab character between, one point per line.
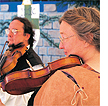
20	31
79	85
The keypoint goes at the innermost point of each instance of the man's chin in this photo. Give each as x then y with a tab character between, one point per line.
9	44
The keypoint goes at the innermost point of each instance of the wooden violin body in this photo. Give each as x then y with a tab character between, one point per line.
24	81
11	59
21	82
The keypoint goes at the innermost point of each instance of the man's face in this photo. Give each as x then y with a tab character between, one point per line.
19	36
69	40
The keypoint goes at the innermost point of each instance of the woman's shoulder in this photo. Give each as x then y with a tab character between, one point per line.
60	89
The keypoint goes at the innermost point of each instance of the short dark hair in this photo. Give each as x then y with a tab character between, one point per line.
28	28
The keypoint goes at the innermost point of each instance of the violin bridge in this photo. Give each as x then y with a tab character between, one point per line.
30	65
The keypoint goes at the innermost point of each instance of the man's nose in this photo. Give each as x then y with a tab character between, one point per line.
61	45
10	34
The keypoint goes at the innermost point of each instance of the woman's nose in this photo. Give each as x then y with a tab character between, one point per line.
61	45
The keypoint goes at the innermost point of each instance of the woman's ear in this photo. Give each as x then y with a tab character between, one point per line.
86	44
89	38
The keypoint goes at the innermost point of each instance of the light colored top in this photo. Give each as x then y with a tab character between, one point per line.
59	90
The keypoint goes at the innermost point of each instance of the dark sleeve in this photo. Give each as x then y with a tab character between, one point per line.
31	56
31	100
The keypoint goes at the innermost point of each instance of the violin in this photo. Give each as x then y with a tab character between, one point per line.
21	82
9	59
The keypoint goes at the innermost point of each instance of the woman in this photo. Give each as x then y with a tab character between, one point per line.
80	35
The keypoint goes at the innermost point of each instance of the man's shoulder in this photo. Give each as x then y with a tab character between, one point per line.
33	57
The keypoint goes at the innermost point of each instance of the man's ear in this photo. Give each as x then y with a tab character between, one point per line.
27	36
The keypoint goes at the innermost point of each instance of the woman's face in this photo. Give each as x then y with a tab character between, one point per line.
72	44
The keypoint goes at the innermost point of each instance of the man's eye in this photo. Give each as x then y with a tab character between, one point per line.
14	31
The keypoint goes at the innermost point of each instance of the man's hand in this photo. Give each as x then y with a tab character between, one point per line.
1	104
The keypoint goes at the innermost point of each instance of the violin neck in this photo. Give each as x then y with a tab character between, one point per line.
2	61
4	47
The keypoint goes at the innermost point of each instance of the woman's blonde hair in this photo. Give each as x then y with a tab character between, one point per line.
86	22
